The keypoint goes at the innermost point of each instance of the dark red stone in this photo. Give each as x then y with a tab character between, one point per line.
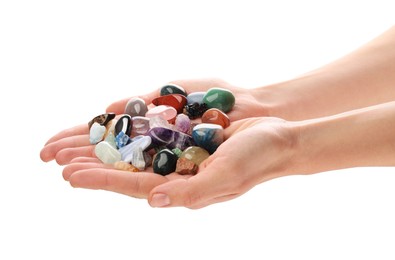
177	101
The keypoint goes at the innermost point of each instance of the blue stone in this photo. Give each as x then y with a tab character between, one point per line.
208	136
128	151
122	139
195	97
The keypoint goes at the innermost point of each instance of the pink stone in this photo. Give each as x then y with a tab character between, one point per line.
167	112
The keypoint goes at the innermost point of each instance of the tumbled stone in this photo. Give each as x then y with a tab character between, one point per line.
165	162
195	97
96	133
102	119
136	107
216	116
124	124
138	159
110	138
182	123
196	154
122	139
177	151
208	136
124	166
164	137
177	101
159	121
220	98
140	125
185	166
172	89
106	153
127	151
167	112
195	110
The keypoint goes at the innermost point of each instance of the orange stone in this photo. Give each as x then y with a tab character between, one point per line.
216	116
177	101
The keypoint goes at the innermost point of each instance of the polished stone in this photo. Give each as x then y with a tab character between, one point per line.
110	138
195	110
102	119
172	89
96	133
127	151
195	97
138	159
216	116
177	101
182	123
159	121
165	162
167	112
136	107
122	139
208	136
124	124
220	98
196	154
124	166
106	153
164	137
140	125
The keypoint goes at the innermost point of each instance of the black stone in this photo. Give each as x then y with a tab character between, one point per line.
195	110
124	124
165	162
172	89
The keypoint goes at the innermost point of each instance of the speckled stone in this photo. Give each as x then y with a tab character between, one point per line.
185	166
177	101
220	98
136	107
165	162
172	89
106	153
216	116
208	136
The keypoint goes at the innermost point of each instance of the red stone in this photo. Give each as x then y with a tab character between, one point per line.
216	116
186	166
177	101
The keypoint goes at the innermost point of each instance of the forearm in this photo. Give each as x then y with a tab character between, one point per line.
362	78
363	137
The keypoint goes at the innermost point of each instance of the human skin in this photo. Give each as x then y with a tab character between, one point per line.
363	78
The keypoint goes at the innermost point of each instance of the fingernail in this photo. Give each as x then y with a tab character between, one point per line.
160	200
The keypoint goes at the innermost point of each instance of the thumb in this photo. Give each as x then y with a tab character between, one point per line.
190	193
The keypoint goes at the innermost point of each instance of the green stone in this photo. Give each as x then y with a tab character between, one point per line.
219	98
196	154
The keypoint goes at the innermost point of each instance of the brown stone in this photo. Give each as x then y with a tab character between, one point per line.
124	166
216	116
186	166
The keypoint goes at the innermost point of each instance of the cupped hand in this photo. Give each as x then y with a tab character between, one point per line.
255	150
74	142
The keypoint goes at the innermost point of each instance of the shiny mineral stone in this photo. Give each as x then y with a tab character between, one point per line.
96	133
177	101
106	153
136	107
102	119
124	124
195	110
172	89
165	162
220	98
196	154
216	116
185	166
208	136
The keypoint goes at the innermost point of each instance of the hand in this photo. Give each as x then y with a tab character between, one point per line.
264	151
74	142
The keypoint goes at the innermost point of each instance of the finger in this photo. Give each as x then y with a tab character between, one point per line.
66	155
85	160
209	183
49	151
77	130
74	167
137	184
118	107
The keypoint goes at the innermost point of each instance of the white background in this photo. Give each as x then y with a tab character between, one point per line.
63	62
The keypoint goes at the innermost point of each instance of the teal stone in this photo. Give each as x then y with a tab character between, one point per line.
165	162
208	136
172	89
219	98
